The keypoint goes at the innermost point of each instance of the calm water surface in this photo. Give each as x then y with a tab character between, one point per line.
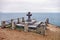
54	18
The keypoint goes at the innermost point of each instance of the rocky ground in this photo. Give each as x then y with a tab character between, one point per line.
52	33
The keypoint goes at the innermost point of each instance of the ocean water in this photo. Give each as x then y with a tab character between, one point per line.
54	18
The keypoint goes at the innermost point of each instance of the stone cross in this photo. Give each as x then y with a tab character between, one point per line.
29	16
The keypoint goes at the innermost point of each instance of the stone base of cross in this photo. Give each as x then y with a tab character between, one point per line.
29	20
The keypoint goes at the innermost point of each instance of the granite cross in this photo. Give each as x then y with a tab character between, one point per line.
29	16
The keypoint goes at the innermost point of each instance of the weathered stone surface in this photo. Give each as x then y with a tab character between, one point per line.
23	20
26	28
47	20
12	24
3	24
41	29
18	21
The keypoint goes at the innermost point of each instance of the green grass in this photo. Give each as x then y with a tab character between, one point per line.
19	28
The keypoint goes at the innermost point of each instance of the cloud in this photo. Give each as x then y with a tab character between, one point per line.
31	5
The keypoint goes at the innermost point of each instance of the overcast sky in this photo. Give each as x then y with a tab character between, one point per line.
29	5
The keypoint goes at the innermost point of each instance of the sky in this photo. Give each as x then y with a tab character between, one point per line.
29	5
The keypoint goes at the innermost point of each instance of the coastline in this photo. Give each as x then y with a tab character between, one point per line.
55	25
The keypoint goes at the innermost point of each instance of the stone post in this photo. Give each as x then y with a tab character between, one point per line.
12	24
42	28
3	24
18	22
23	19
26	27
46	23
47	20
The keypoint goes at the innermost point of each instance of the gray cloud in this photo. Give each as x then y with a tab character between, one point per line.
17	6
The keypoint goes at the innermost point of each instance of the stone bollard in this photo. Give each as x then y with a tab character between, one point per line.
26	27
12	24
47	20
18	22
23	19
3	24
43	28
46	23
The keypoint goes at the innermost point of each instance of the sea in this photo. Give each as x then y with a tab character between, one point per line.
54	18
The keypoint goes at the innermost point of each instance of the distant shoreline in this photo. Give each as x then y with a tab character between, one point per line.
55	25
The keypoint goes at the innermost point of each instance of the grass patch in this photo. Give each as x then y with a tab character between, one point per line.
19	28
